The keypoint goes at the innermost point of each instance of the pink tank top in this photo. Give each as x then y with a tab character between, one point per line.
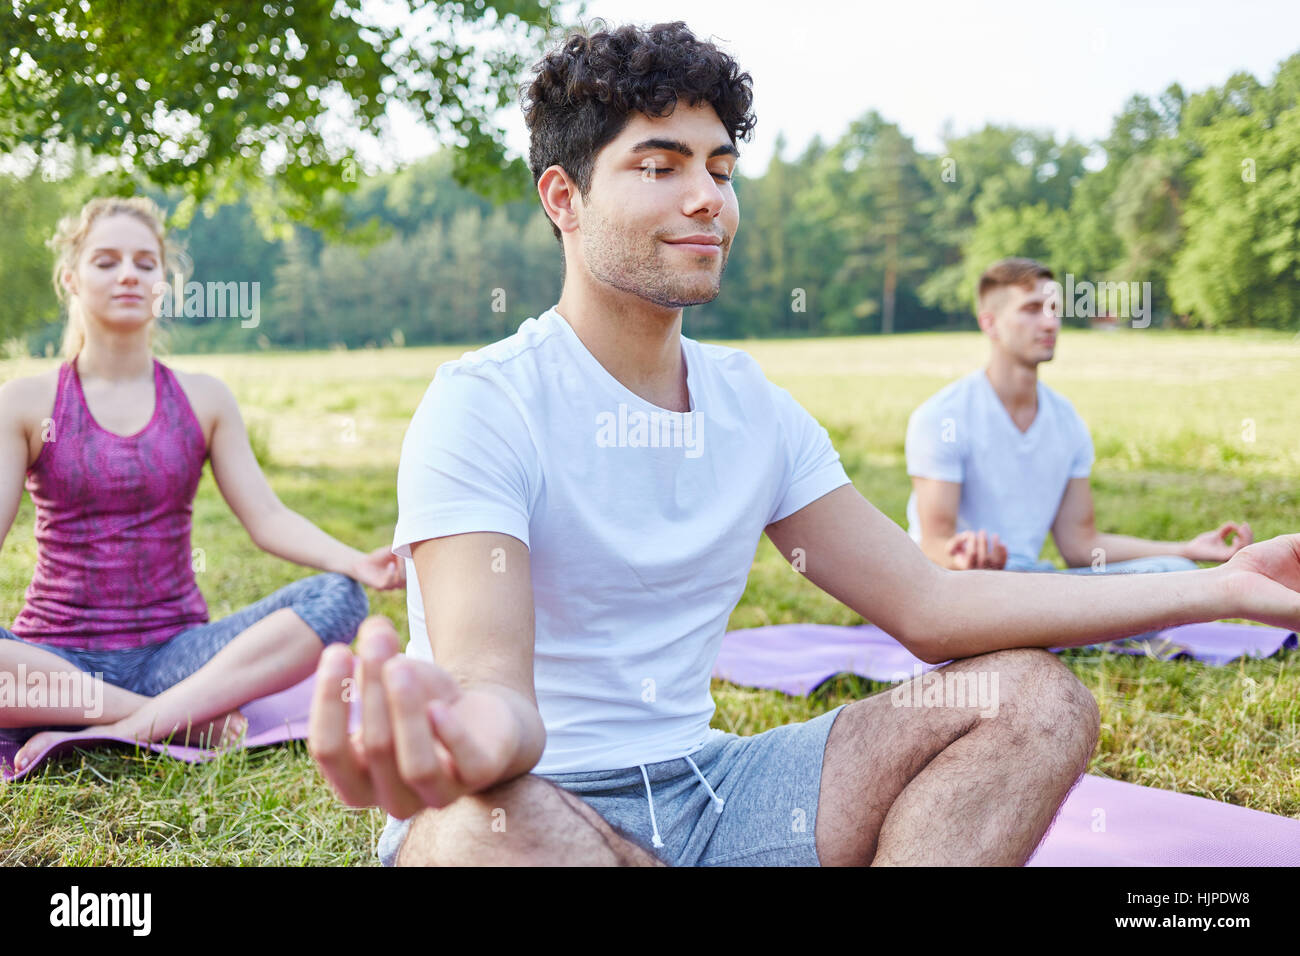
113	566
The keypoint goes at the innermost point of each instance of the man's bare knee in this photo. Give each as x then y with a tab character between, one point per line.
528	821
1045	703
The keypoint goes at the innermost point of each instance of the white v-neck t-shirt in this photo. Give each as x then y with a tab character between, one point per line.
641	523
1011	481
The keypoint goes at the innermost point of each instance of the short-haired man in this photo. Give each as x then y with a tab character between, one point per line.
997	458
581	502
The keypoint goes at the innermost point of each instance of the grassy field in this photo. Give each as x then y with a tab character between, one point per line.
1190	430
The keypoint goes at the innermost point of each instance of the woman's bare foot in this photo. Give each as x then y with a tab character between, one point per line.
40	742
215	734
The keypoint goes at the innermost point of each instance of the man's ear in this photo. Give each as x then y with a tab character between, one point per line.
560	198
988	323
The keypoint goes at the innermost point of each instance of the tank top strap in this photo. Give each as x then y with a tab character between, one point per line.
61	393
65	418
177	404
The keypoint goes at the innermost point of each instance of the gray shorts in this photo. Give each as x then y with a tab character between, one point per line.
768	785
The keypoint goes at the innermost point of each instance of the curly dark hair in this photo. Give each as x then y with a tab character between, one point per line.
584	91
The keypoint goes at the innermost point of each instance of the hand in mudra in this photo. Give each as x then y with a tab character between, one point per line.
1214	545
380	569
423	742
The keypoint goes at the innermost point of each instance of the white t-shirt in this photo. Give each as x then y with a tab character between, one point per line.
641	523
1011	481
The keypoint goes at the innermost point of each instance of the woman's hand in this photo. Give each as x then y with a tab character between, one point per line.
380	569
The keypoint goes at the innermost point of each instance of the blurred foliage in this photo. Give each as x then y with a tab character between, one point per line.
1197	194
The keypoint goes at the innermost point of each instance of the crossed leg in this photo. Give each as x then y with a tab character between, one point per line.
78	698
110	701
943	785
276	652
900	785
527	821
197	681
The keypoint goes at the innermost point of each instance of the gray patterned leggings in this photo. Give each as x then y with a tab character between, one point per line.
332	605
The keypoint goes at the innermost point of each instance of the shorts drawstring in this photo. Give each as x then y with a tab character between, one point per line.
718	802
653	825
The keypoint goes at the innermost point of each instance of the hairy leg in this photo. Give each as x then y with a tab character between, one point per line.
527	821
943	785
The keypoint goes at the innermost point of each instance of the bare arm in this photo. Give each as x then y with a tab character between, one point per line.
857	555
432	733
937	503
13	457
478	609
273	527
1079	541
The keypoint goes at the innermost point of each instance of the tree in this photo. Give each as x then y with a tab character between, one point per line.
191	94
871	197
982	174
31	203
1240	261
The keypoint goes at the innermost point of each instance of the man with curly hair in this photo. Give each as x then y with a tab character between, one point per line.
580	503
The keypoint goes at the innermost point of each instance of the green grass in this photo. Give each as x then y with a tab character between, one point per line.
1170	416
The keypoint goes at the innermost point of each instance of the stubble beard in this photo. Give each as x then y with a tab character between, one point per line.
640	265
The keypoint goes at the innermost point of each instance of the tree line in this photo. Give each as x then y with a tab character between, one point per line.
1196	194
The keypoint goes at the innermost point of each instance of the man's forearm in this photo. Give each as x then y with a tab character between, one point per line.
976	612
1122	547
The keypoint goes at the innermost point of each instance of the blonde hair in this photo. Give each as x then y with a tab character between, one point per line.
68	242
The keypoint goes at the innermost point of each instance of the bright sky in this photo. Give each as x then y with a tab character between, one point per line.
1063	66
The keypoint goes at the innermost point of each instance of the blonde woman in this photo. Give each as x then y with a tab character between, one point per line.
111	446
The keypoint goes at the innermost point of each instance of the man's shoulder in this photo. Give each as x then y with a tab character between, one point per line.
513	354
953	397
512	368
1063	405
725	357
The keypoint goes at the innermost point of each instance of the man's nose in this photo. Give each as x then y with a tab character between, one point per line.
707	194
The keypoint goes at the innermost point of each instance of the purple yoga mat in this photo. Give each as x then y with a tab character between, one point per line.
796	658
271	720
1111	823
1102	822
